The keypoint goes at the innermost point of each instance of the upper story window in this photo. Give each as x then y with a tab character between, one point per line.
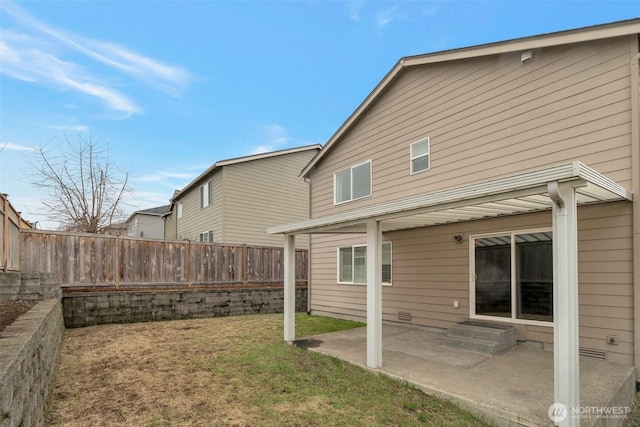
205	194
420	156
352	183
179	209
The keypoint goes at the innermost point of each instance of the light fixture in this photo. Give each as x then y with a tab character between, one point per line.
457	238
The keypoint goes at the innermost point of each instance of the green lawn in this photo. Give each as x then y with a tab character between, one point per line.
234	371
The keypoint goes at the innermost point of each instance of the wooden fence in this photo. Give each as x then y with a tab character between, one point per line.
9	236
104	261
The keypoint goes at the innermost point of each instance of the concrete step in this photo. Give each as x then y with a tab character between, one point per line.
472	344
489	338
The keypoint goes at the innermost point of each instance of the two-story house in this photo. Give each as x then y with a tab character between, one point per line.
147	223
496	183
234	201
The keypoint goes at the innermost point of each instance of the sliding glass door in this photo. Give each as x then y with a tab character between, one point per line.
513	275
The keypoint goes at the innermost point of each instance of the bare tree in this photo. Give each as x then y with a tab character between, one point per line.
86	191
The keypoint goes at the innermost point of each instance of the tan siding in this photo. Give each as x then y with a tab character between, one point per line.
170	231
489	117
431	271
264	193
196	220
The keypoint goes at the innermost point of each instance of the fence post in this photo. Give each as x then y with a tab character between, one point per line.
189	263
244	264
5	233
117	261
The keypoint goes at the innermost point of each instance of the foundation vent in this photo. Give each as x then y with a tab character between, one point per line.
405	316
592	353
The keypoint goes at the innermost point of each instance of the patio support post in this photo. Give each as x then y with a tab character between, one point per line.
289	287
565	302
374	294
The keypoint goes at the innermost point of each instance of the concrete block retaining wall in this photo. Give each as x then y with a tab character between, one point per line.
29	350
96	308
29	286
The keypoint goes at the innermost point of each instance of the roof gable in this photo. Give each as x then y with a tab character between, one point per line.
237	160
579	35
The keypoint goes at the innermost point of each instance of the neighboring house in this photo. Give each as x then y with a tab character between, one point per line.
234	201
493	182
116	229
147	223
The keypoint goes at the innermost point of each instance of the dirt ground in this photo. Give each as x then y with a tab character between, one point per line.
151	374
11	310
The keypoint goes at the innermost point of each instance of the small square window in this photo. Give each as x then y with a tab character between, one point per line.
420	156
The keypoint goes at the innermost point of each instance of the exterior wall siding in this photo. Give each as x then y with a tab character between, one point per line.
170	231
147	226
196	220
431	271
489	117
264	193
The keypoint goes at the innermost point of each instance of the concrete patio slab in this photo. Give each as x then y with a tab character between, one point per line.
514	388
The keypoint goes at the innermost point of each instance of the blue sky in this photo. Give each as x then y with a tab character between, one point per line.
173	86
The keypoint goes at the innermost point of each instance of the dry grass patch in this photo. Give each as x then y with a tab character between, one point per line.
232	371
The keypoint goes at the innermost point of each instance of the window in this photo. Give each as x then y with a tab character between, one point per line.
179	208
353	183
206	237
514	276
420	156
352	264
205	194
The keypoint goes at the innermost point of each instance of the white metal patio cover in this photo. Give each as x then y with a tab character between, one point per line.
560	188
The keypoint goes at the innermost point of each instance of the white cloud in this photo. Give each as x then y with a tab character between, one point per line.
276	134
262	149
430	11
355	8
161	176
387	16
272	137
38	58
21	59
74	128
16	147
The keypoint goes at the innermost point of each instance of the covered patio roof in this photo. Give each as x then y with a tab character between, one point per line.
559	188
520	193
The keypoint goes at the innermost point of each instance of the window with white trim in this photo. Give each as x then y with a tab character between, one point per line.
513	275
205	194
352	264
352	183
420	156
179	209
206	237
